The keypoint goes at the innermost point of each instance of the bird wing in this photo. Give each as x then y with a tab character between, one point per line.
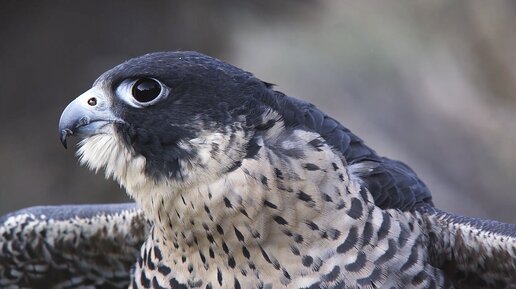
70	246
392	184
473	252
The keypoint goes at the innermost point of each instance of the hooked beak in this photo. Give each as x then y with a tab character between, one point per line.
85	116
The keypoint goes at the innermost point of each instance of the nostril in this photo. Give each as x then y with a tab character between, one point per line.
83	121
92	101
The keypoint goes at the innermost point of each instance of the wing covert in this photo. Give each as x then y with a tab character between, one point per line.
70	246
392	183
473	252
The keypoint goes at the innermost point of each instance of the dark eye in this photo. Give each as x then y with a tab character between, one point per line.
146	89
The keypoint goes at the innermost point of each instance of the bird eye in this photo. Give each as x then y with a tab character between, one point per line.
146	90
141	92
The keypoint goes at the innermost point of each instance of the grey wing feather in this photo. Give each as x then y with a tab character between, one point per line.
70	246
474	253
392	183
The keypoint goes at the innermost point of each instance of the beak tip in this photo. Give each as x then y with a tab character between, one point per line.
63	135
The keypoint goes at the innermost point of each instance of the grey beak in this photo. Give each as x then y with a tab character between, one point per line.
73	117
85	116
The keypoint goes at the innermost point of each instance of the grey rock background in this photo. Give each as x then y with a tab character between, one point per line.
432	83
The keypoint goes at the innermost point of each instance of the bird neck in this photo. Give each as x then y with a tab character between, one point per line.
289	215
272	194
263	217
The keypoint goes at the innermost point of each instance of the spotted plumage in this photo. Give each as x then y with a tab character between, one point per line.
244	187
70	246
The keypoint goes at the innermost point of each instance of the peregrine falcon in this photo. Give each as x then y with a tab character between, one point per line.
237	185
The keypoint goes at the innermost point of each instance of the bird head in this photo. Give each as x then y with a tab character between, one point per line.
178	117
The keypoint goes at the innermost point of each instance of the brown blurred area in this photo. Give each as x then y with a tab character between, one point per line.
431	83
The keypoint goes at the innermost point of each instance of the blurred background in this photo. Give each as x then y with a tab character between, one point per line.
431	83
